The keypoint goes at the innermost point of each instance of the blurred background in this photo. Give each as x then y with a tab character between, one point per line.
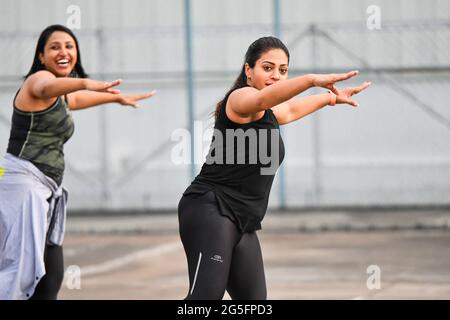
391	151
358	187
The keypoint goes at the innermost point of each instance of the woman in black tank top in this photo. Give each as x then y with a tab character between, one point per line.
223	207
41	124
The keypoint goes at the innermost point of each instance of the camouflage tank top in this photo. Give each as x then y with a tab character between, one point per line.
39	137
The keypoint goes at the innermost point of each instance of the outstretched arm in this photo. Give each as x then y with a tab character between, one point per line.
85	99
250	100
295	109
45	85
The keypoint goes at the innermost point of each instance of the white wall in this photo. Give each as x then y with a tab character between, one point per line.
388	151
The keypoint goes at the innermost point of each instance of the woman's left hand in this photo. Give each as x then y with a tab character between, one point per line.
344	95
131	99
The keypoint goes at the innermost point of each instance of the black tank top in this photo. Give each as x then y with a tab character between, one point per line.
240	168
39	137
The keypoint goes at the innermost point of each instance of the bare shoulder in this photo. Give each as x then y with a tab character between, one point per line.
233	108
241	92
26	100
39	76
35	79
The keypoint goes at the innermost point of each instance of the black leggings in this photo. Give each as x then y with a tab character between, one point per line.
219	256
49	285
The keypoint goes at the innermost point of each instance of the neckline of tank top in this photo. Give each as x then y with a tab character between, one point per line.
50	108
266	111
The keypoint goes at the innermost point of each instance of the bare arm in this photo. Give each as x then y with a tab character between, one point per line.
295	109
249	100
85	99
45	85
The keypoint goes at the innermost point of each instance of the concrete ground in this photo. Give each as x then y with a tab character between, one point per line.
308	255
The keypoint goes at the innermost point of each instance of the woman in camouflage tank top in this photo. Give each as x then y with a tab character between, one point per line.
41	124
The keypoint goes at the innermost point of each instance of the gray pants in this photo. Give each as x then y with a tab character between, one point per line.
32	215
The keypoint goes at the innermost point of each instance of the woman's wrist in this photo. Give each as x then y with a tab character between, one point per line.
116	97
310	78
84	83
333	98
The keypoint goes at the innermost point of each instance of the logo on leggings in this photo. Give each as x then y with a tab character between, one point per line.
2	171
217	258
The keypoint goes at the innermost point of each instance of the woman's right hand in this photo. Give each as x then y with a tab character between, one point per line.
102	86
327	81
345	95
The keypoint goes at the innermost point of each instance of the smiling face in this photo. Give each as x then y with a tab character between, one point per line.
271	67
60	54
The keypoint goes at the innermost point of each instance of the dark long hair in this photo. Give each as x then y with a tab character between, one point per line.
254	52
77	72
